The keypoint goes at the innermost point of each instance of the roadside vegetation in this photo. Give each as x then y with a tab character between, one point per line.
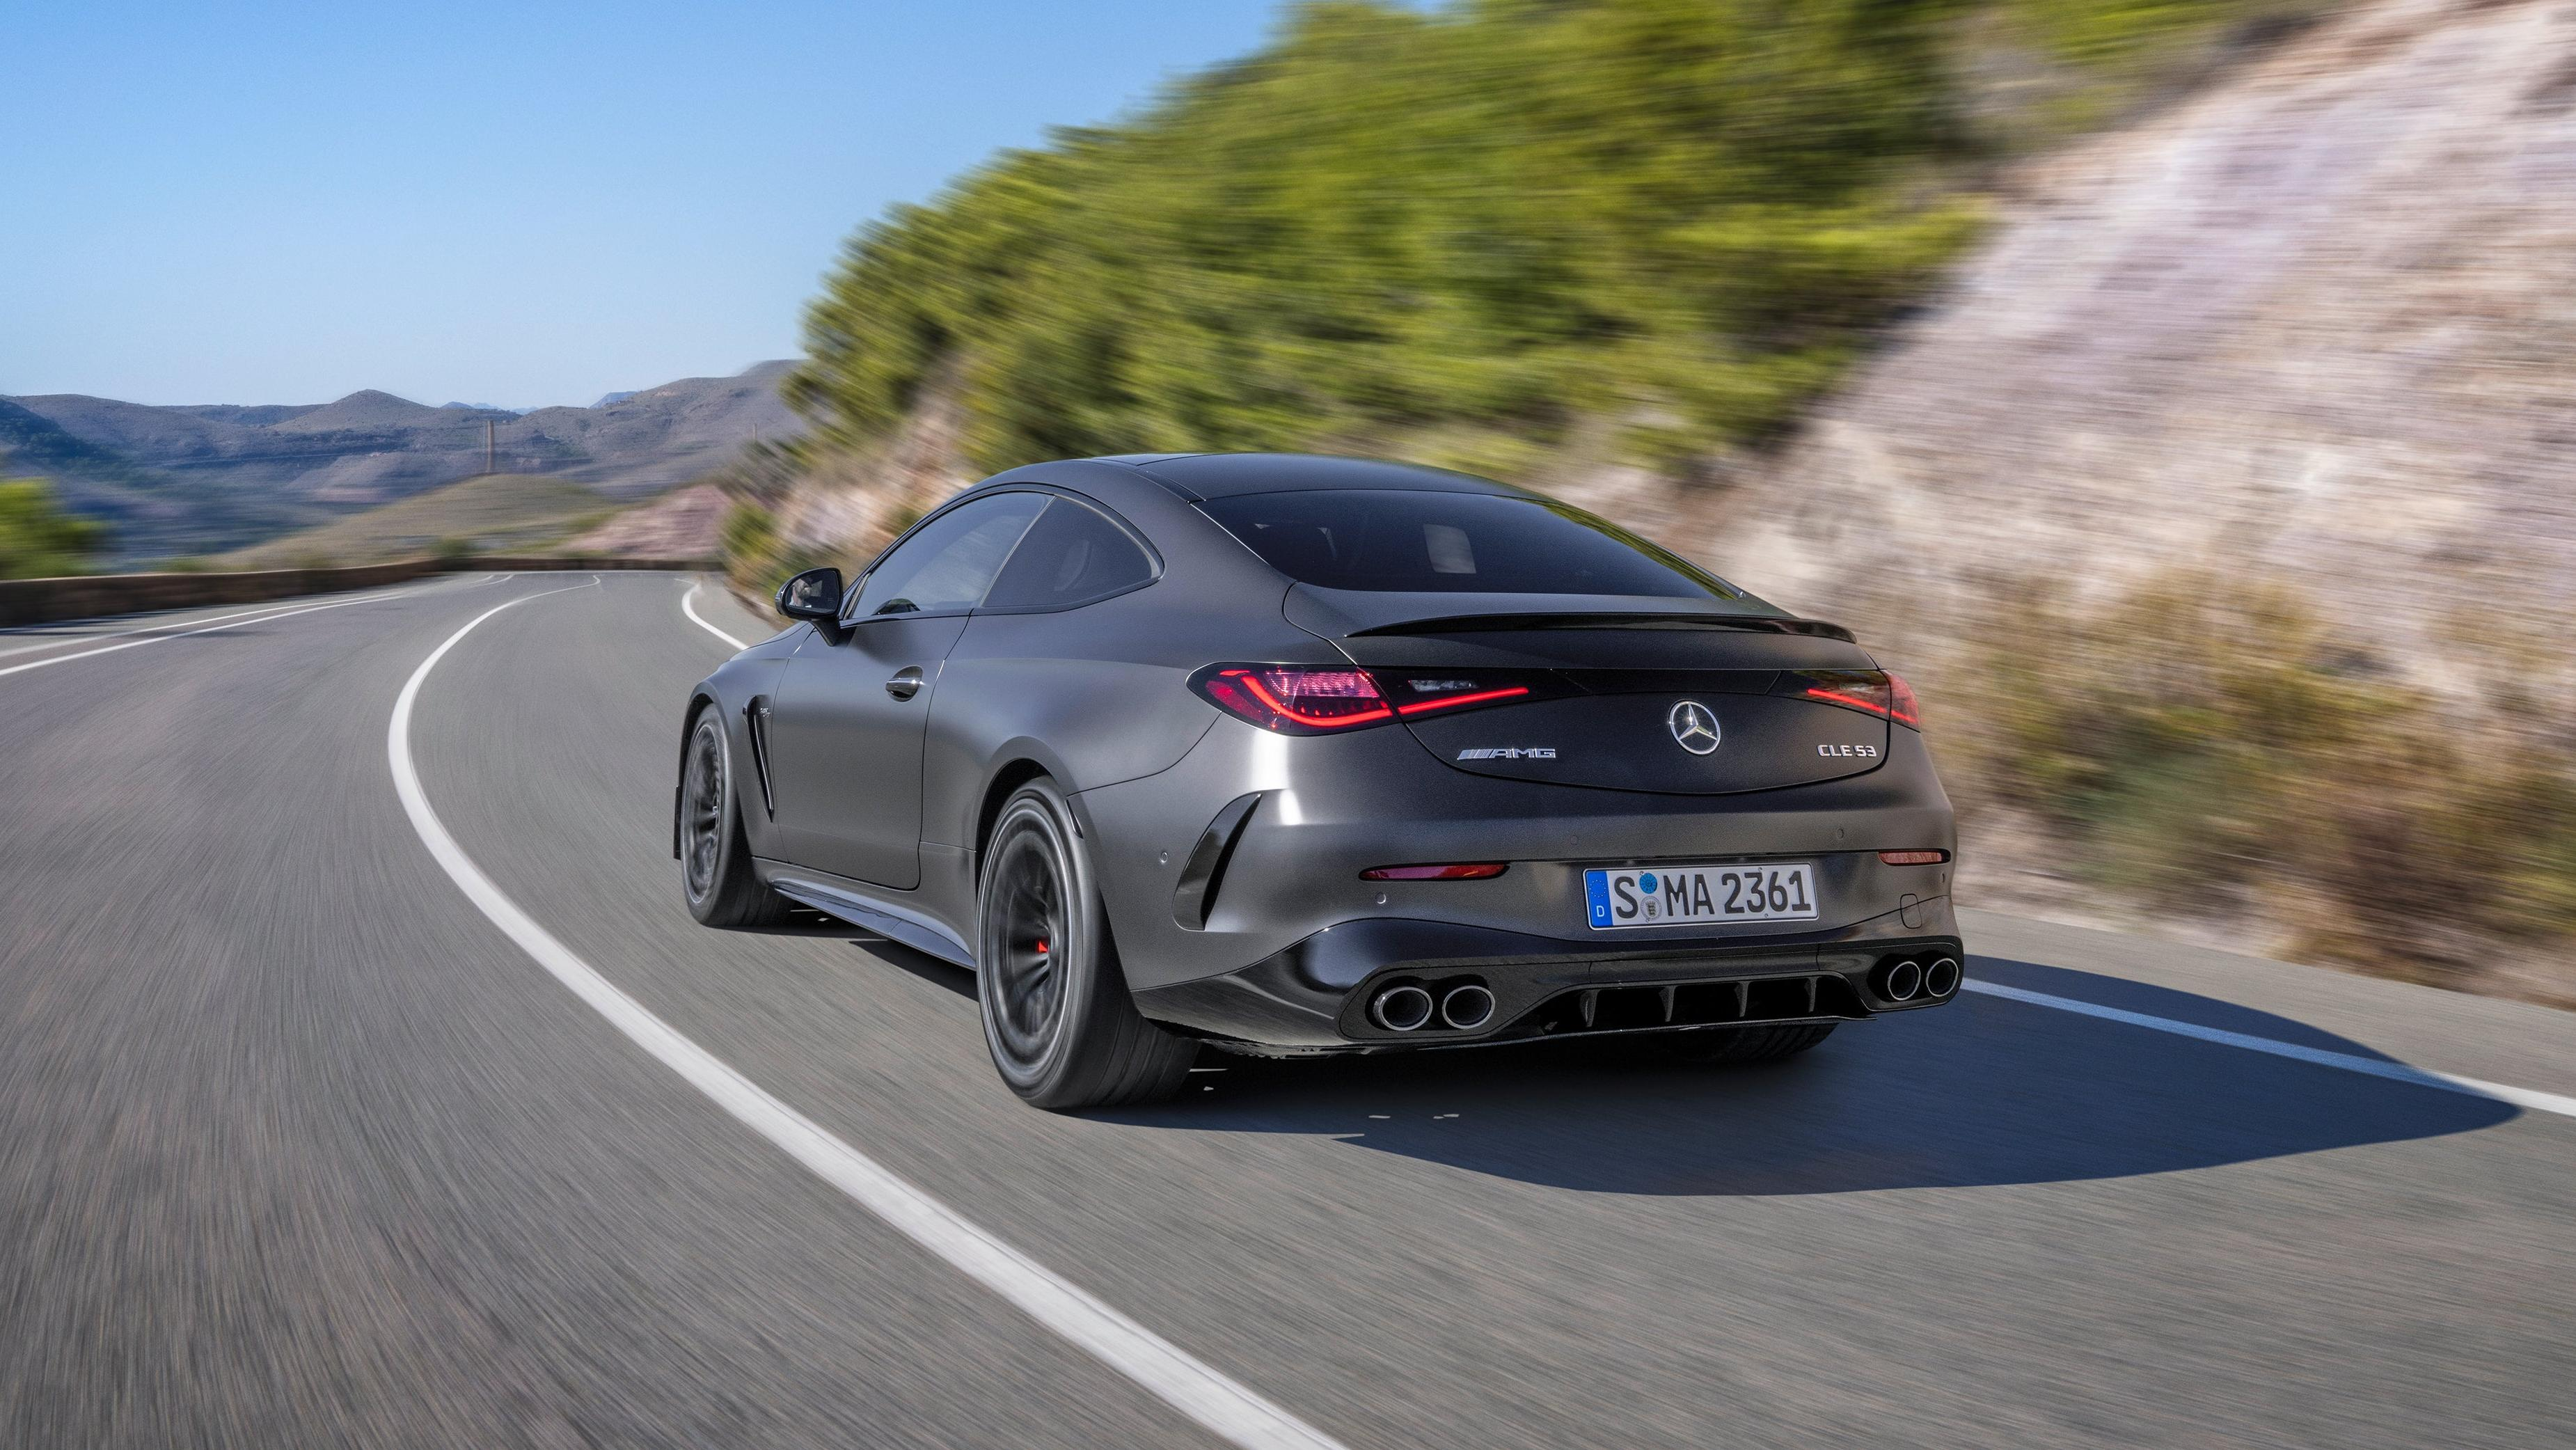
38	538
1466	235
2215	747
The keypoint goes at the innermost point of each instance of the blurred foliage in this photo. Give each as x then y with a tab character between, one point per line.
38	538
758	557
1686	215
2210	744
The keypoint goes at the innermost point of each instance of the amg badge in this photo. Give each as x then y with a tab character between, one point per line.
1509	752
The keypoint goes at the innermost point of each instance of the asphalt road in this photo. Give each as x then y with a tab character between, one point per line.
297	1147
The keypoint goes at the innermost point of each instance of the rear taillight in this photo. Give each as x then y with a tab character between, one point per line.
1873	693
1295	699
1901	704
1452	702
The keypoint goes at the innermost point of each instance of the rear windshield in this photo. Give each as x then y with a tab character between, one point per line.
1457	543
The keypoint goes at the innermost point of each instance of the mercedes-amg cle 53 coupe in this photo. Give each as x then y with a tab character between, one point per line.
1282	754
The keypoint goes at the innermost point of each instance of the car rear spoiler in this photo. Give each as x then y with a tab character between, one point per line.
1481	623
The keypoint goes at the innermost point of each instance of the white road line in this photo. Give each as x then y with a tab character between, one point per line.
2370	1066
237	623
73	639
689	607
1164	1369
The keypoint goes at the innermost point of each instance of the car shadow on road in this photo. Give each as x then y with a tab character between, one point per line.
1985	1091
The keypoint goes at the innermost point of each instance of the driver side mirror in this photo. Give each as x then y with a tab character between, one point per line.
814	594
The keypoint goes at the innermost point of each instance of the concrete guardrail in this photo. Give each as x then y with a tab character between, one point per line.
90	596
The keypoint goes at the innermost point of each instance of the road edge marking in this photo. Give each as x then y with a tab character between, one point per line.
1161	1368
2542	1102
236	622
64	641
689	607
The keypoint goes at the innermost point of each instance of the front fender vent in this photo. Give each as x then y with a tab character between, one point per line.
755	718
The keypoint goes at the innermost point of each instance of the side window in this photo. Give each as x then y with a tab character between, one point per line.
1073	556
947	566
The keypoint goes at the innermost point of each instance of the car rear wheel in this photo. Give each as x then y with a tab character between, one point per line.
715	858
1736	1045
1063	1031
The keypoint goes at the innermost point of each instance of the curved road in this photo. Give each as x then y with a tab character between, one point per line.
300	1146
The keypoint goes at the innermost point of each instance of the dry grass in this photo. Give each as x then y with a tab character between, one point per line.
490	513
2208	746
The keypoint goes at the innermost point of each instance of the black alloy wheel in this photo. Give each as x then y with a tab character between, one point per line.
1058	1020
715	859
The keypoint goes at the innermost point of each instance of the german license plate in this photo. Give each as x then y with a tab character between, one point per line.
1635	896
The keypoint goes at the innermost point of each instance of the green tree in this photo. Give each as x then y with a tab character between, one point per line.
1505	216
38	540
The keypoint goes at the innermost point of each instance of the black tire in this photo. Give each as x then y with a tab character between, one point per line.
1738	1046
715	857
1063	1031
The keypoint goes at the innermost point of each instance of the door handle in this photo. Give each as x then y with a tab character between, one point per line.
906	683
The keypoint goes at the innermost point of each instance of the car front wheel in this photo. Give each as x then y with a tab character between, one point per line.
1063	1031
715	859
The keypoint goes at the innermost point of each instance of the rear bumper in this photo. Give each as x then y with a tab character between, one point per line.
1331	807
1313	996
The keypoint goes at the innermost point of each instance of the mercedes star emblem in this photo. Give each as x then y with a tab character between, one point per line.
1694	727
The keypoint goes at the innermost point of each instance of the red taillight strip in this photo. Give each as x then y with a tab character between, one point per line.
1465	871
1819	692
1252	681
1914	858
1420	707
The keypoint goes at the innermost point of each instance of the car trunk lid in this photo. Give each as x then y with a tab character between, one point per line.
1614	693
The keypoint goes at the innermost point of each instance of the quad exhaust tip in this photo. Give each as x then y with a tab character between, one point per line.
1466	1007
1403	1009
1941	978
1903	981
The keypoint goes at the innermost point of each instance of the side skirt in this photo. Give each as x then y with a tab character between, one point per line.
848	900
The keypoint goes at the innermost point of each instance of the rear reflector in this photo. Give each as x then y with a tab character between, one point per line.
1914	858
1473	871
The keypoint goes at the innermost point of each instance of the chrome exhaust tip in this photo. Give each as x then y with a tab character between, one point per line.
1902	981
1941	978
1401	1009
1467	1007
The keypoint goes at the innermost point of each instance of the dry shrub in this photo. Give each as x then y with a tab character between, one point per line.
2213	745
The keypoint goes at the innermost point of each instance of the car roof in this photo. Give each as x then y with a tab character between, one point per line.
1197	476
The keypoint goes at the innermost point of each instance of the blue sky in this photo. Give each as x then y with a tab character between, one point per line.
517	205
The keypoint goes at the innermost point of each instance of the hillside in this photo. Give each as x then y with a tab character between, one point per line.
2317	323
205	478
494	513
150	511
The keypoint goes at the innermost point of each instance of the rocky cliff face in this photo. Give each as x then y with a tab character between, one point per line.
2318	321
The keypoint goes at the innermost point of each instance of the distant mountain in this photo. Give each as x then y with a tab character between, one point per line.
492	407
607	398
211	477
151	512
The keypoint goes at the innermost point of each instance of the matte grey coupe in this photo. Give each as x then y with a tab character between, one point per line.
1282	754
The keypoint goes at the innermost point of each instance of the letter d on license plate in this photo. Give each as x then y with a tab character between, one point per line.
1636	896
